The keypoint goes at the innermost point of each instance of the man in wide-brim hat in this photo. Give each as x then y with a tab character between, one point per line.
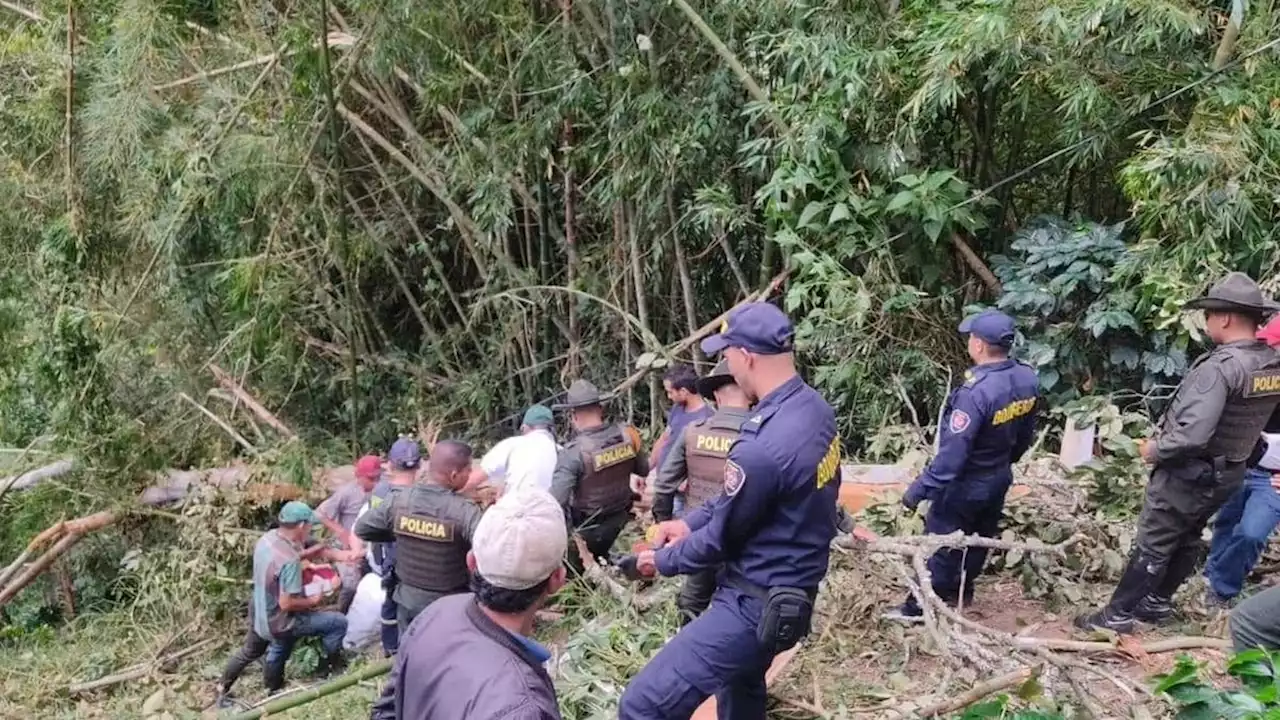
593	475
1199	453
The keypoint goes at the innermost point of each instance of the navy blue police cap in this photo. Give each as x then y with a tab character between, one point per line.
756	327
990	326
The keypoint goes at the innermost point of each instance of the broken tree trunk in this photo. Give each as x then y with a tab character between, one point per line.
67	533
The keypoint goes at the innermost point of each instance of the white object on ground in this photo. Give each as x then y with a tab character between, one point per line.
1077	445
364	617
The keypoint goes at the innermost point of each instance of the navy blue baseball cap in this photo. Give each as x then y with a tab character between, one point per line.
404	454
991	326
756	327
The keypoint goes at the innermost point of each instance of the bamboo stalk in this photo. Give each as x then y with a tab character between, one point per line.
40	565
221	423
140	670
73	211
434	261
306	696
225	380
682	269
435	185
729	57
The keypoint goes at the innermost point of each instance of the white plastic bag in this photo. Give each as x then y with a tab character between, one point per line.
364	618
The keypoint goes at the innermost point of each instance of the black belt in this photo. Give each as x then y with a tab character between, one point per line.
759	592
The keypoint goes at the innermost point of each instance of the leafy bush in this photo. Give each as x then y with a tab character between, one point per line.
1069	283
1258	696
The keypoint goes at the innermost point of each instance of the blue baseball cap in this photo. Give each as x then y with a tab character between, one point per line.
756	327
404	454
991	326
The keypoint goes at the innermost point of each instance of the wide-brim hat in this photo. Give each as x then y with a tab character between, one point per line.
714	380
582	393
1236	292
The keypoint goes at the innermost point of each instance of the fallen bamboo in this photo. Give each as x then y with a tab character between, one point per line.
33	570
140	670
759	296
229	383
30	479
302	698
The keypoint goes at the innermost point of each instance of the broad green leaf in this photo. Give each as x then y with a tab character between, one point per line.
899	201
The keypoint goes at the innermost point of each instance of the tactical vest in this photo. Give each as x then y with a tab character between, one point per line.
706	449
1250	401
608	459
431	552
381	554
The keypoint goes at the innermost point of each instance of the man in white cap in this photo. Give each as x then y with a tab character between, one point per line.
470	656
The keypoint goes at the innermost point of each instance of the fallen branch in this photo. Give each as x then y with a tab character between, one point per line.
979	691
759	296
956	540
229	383
302	698
140	670
66	533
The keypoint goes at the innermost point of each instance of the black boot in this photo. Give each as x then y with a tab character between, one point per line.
335	664
273	677
1182	565
1138	580
1154	609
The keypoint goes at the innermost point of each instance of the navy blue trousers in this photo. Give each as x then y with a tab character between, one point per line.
971	513
717	654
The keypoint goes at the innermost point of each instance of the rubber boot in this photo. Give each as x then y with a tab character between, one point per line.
1139	577
1154	609
1181	566
335	664
273	677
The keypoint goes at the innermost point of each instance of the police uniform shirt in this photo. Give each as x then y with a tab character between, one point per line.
774	522
428	511
989	423
1240	370
570	467
675	468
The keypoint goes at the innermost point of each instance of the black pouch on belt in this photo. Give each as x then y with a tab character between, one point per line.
785	619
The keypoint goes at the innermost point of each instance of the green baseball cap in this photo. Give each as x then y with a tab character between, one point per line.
295	512
538	416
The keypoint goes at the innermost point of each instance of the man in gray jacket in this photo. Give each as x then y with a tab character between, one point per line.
470	657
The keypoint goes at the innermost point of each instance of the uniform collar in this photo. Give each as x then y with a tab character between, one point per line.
780	393
733	412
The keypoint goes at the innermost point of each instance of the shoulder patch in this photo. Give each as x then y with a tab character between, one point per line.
734	477
960	421
1262	383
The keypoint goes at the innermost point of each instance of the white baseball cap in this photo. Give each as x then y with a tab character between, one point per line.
520	540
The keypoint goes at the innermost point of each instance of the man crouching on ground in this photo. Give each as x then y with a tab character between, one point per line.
470	657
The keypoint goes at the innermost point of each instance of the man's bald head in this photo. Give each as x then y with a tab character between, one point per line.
450	463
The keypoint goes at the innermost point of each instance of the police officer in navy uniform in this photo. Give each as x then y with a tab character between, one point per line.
431	525
989	424
771	528
1199	453
593	475
696	459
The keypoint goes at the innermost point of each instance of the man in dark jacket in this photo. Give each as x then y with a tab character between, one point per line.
594	473
1199	453
470	657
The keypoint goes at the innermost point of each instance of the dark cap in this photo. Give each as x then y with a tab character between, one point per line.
714	380
991	326
756	327
1236	292
582	393
404	454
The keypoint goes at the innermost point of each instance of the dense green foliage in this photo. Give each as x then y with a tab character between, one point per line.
1256	694
502	194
